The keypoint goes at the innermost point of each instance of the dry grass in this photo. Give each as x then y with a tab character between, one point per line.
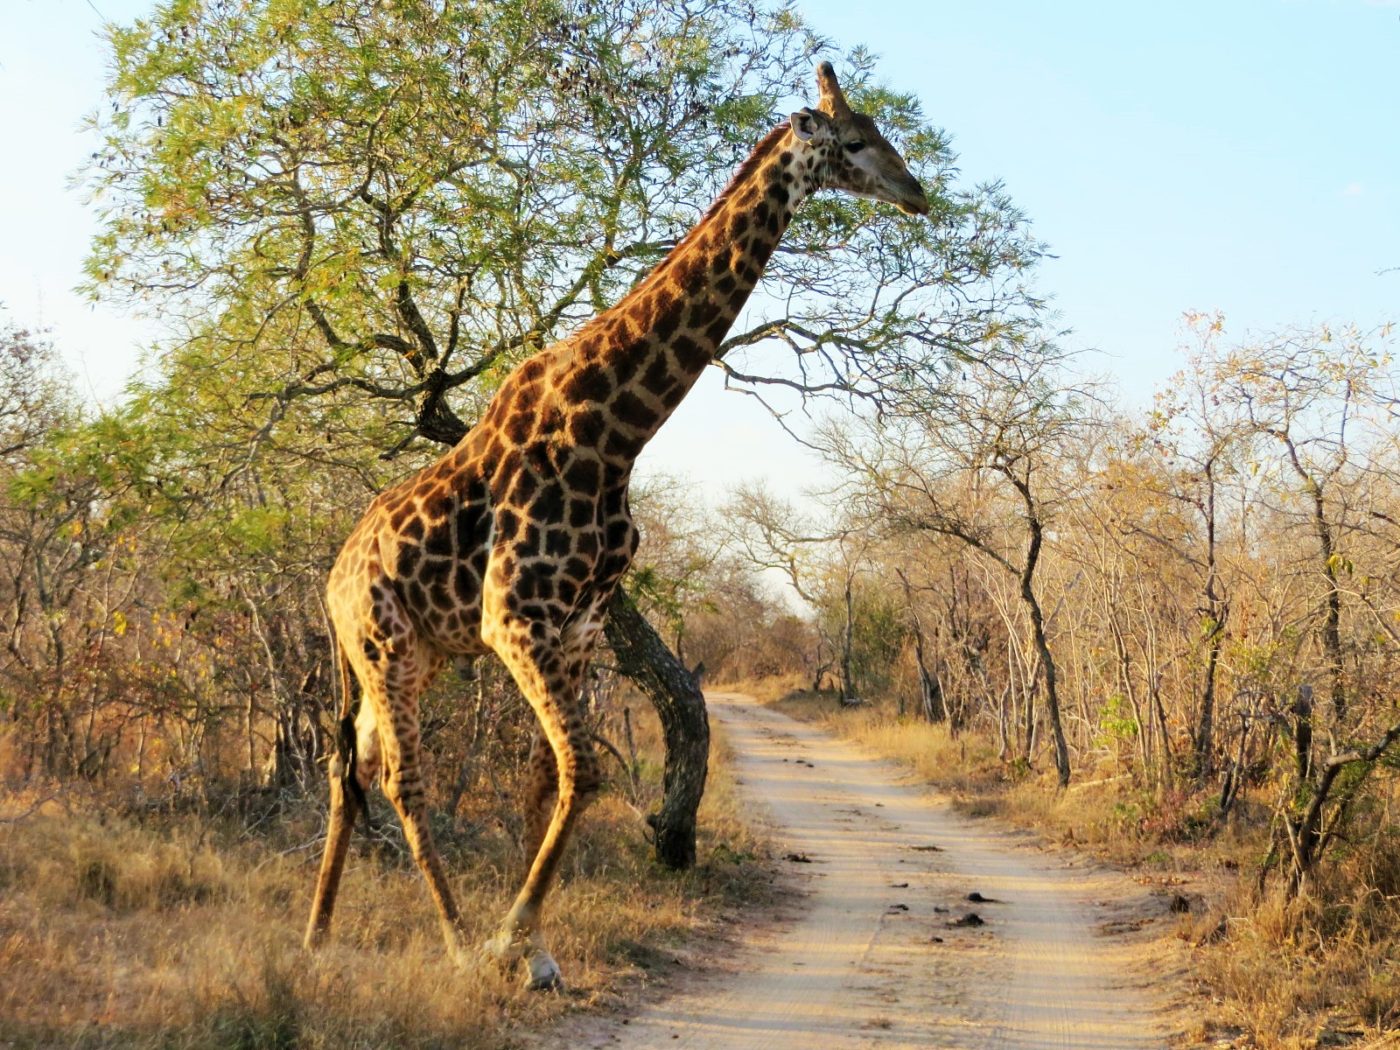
1271	976
118	931
1320	971
768	690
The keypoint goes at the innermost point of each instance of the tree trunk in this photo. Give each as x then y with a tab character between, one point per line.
848	687
1332	621
1311	828
930	690
1042	644
1052	694
1303	732
1217	609
1125	679
643	657
1205	728
931	696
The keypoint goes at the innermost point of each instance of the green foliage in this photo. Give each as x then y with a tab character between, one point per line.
358	195
388	202
879	630
354	218
1116	722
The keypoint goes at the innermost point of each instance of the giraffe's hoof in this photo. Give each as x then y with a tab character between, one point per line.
506	949
544	974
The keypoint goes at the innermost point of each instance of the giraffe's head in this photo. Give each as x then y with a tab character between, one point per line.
851	153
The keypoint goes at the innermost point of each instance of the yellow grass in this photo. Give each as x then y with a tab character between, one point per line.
1287	974
122	931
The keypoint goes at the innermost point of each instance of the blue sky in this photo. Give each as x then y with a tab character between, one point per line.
1230	155
1239	156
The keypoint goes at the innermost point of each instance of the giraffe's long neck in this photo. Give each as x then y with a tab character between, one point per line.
640	358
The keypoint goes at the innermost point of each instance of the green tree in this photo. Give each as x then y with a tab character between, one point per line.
357	216
65	591
387	203
1311	400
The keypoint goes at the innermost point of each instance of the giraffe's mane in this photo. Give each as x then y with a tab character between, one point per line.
761	152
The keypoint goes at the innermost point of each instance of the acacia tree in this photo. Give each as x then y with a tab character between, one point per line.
357	216
41	518
1206	463
820	562
1186	458
391	203
74	568
1310	398
671	572
1318	405
932	704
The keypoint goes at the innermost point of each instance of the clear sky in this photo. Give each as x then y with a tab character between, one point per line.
1239	155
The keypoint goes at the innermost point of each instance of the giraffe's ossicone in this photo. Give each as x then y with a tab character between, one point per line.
514	540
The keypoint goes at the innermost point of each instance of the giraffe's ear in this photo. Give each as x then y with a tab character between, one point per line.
804	124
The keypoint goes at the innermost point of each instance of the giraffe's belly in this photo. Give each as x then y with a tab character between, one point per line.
443	595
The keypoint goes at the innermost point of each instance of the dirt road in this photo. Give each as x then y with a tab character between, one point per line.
880	950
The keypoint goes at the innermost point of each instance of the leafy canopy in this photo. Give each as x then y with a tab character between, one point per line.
361	204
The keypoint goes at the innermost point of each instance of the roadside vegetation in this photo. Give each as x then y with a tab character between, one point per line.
1170	636
352	220
1170	640
1267	970
137	922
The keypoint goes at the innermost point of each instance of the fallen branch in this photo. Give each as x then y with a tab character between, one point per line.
34	808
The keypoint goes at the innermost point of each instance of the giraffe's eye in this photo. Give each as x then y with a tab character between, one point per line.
855	147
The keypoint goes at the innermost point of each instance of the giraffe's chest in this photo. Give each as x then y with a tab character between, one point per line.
547	535
558	567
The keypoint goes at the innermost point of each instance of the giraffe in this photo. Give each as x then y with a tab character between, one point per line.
514	540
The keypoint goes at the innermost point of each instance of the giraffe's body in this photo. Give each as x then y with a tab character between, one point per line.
514	540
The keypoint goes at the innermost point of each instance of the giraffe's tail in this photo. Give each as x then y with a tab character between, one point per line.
347	739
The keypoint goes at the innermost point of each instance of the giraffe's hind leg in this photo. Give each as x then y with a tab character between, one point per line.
405	671
345	810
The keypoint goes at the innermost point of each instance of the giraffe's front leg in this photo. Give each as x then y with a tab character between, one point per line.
540	791
541	788
507	948
519	937
550	681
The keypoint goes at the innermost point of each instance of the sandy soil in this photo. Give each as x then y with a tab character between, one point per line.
878	950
